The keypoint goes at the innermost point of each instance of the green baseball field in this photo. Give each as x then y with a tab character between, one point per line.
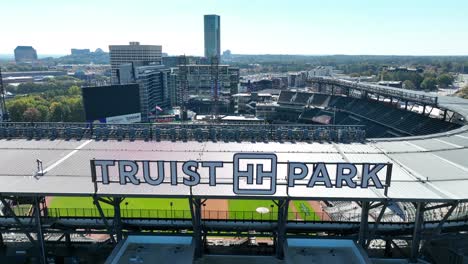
177	208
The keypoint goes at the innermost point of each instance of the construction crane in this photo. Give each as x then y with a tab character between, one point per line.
183	87
214	76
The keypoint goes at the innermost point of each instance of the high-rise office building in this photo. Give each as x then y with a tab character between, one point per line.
212	36
25	54
154	82
138	55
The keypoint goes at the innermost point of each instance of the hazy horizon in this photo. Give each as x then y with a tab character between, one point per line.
11	56
250	27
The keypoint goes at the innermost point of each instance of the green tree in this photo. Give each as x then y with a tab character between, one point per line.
74	90
44	110
16	108
77	113
62	83
429	84
32	115
409	85
444	80
414	77
463	92
59	112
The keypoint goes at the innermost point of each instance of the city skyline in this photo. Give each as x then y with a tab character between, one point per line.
362	27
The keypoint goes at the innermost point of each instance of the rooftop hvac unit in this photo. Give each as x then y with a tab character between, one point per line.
279	134
305	134
199	134
157	134
183	134
213	134
120	134
173	134
145	133
132	134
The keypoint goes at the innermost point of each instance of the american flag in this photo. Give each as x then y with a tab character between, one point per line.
158	108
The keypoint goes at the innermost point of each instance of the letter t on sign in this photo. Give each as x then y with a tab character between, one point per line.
104	164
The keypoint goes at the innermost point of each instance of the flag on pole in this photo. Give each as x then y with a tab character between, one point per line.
158	108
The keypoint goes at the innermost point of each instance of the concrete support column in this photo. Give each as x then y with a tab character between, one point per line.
388	248
40	234
117	219
417	232
282	220
195	210
68	240
364	226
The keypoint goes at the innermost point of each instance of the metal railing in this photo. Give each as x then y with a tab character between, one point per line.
184	132
243	216
379	89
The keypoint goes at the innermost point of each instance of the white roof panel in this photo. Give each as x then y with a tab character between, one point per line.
420	169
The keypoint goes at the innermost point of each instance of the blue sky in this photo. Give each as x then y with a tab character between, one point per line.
398	27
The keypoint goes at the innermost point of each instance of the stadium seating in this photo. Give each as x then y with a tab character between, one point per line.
380	118
285	96
301	98
319	99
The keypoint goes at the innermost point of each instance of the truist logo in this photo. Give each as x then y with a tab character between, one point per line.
255	174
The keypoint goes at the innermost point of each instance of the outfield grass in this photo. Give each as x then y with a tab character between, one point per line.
131	203
130	207
304	211
161	208
246	209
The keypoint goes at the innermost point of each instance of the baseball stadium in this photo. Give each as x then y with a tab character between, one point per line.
349	173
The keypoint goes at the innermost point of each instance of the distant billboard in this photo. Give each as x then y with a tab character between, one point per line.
124	119
112	104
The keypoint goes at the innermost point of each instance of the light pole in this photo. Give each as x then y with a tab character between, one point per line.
126	209
204	210
271	212
334	114
172	215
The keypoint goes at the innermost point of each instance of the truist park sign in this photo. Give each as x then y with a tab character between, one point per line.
247	173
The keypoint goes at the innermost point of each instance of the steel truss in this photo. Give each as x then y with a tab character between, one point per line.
38	222
38	210
366	88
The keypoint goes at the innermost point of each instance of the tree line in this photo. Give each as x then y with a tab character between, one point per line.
49	84
463	92
50	106
428	81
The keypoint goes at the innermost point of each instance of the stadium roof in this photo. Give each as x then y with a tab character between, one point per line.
455	104
424	169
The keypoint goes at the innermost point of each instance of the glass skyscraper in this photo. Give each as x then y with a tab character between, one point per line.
212	36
